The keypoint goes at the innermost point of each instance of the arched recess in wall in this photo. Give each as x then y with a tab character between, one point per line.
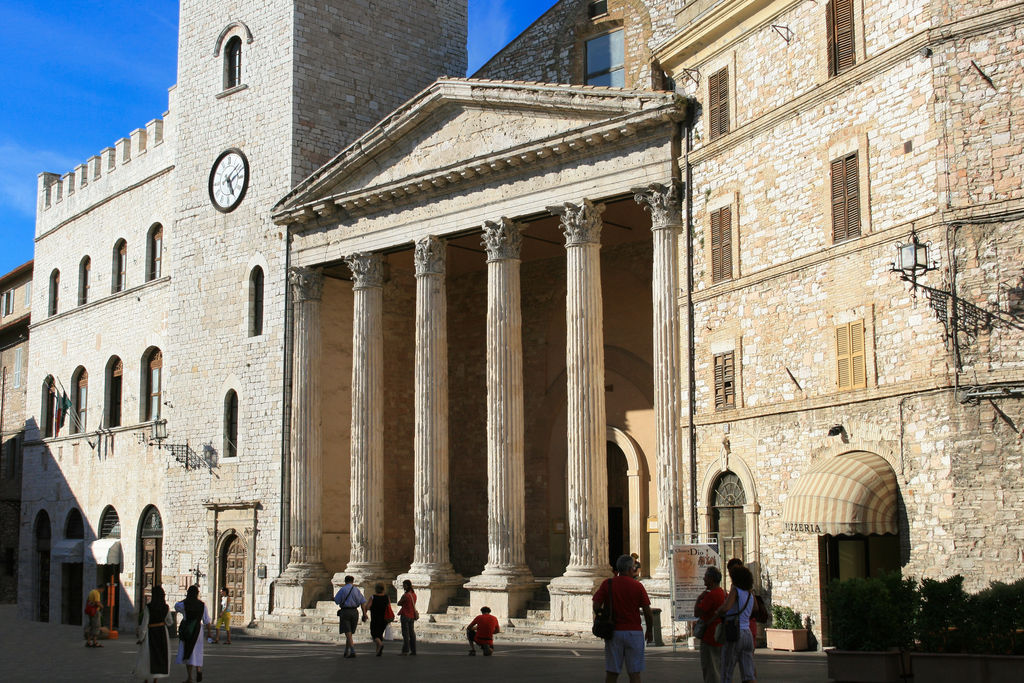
69	554
255	307
715	476
639	479
149	562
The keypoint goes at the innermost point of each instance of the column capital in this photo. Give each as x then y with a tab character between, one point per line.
367	269
663	203
307	283
429	256
503	239
581	223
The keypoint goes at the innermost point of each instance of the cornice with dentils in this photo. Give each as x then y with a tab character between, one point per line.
617	114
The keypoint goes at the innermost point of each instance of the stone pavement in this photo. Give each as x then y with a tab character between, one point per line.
46	652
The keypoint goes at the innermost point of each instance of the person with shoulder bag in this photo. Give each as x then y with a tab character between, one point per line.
408	615
626	598
734	631
707	604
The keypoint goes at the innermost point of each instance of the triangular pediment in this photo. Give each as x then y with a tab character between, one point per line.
458	123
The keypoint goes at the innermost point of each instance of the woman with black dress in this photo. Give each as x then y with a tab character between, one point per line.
381	614
153	660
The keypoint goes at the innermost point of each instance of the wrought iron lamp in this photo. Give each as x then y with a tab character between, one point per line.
912	260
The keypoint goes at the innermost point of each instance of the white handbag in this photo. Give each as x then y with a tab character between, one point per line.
389	633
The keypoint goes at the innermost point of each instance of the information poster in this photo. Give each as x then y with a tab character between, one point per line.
689	562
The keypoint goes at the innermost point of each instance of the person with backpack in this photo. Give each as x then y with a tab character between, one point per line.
734	631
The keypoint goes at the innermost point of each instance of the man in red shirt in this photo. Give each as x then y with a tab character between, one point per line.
481	631
628	598
707	604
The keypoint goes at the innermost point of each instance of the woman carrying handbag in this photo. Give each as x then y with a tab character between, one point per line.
734	631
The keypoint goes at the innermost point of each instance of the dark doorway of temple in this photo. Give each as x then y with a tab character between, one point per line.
618	504
71	593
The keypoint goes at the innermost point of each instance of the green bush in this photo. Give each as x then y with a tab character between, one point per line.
786	617
873	614
944	615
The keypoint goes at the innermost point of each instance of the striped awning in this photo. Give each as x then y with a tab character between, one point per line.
850	494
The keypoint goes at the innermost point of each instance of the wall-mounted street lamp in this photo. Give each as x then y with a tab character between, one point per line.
182	453
912	260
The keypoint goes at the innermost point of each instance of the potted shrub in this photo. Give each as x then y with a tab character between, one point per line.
871	623
787	631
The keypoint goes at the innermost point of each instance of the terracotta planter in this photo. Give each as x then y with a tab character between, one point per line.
791	640
942	667
848	666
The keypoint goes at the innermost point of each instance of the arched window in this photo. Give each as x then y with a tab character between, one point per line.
79	399
154	252
74	526
48	408
54	297
83	280
233	63
114	384
119	274
256	302
231	424
727	519
152	385
110	523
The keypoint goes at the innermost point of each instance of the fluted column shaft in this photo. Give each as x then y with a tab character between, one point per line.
506	490
666	223
587	437
431	552
367	452
306	429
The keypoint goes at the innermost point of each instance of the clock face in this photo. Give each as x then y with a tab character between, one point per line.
229	179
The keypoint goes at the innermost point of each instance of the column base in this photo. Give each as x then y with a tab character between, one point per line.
366	577
434	585
506	592
659	590
572	595
299	587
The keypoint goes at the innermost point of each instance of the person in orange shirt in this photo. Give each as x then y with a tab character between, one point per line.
481	631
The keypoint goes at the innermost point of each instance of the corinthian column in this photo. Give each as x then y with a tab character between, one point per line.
587	470
305	579
366	557
506	584
431	571
666	224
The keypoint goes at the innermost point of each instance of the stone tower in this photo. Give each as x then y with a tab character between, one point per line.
268	91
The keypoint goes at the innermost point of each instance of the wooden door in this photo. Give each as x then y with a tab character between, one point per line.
150	566
234	576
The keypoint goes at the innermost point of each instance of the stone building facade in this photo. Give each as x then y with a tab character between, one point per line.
164	303
15	313
824	143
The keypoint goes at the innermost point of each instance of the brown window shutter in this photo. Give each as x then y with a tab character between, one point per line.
725	381
718	103
843	365
852	197
838	201
842	53
858	370
830	29
721	244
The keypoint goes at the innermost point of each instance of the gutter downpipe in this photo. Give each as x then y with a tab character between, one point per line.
686	129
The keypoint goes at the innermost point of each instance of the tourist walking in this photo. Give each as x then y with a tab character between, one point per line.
738	606
153	660
707	604
407	616
381	615
481	631
190	633
628	599
224	618
349	599
93	608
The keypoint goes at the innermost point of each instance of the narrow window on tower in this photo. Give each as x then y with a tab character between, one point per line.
718	104
84	270
606	60
119	274
231	424
721	244
233	63
115	376
256	302
845	198
155	250
725	380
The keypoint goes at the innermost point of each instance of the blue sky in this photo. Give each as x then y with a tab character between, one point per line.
79	74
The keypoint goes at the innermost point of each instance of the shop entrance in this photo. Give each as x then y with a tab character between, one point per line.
859	557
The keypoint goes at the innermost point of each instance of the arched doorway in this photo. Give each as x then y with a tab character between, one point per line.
43	535
72	569
107	552
150	561
618	503
232	575
727	517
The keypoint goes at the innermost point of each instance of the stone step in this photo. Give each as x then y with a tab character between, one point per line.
543	614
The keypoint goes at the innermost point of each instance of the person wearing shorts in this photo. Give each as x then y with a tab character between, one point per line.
224	619
625	649
349	599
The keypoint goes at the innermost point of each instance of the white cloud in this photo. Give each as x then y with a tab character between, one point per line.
18	174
